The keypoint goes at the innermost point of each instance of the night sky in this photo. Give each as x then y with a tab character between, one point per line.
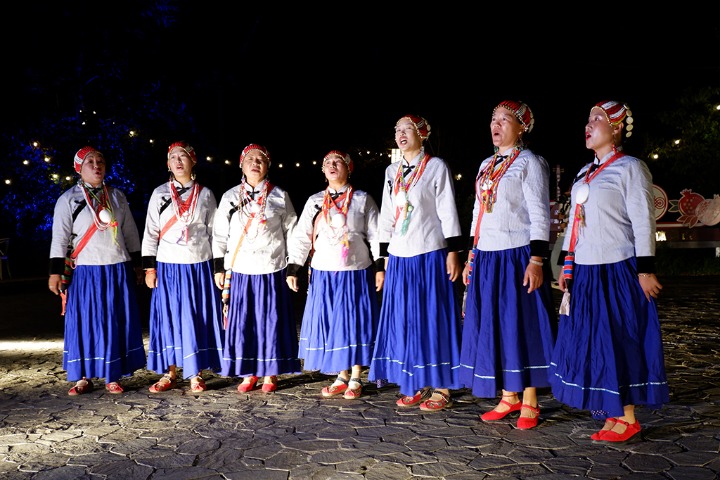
303	80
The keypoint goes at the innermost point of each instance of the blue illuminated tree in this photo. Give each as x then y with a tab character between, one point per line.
38	161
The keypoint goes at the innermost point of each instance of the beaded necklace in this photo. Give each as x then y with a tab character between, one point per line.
253	209
487	181
337	223
583	191
581	195
401	190
184	210
100	207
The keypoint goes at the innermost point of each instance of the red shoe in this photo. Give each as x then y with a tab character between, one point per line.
197	384
338	387
525	423
406	401
114	388
84	385
599	434
248	384
271	386
165	383
631	430
431	405
493	415
353	394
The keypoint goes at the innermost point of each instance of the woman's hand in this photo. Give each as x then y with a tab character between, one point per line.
379	280
220	280
650	285
562	283
151	278
54	284
292	282
454	268
533	277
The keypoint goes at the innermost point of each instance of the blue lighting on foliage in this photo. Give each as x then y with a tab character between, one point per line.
40	172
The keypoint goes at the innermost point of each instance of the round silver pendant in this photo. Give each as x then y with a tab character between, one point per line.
582	193
338	220
104	216
400	198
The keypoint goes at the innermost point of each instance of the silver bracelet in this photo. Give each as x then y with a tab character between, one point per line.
535	262
644	274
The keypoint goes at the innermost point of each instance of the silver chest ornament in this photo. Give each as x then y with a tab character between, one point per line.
337	220
582	193
104	215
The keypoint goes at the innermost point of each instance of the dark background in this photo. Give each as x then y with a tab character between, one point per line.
304	80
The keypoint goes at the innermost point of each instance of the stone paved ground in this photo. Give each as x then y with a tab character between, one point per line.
295	434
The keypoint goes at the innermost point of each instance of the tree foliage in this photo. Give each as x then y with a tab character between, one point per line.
686	141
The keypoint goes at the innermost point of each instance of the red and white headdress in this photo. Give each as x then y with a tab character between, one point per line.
616	113
346	158
254	146
185	146
81	155
422	127
522	113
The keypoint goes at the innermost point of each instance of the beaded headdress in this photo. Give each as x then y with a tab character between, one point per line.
422	127
185	146
81	155
617	113
254	146
346	158
522	113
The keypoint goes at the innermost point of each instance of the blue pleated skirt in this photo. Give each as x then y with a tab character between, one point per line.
508	334
418	338
261	337
609	350
339	321
103	333
185	319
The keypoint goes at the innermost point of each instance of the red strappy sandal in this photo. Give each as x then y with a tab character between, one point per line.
338	387
197	384
165	383
431	405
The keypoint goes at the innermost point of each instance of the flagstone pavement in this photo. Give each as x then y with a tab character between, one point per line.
294	433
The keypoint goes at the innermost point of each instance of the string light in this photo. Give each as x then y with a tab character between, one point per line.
46	155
